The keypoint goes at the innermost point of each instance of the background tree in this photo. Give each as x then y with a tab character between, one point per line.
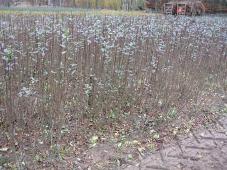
211	5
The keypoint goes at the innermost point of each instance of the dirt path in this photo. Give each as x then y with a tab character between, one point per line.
205	149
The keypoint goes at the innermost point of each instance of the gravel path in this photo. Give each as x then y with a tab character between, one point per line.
205	149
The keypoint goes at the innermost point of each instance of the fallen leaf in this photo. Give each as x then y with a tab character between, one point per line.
5	149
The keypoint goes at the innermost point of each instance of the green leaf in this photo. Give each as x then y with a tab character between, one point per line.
5	149
39	158
119	145
225	109
94	140
156	136
151	146
130	157
172	113
113	114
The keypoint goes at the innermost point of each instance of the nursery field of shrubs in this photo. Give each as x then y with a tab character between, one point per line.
70	81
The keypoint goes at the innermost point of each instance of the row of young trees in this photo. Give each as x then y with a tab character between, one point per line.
216	5
112	4
97	4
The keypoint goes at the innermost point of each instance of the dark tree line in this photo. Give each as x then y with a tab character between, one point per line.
212	5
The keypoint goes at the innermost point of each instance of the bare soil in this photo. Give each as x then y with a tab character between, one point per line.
203	149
